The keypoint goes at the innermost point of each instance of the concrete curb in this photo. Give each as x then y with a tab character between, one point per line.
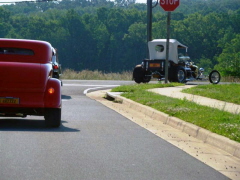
204	135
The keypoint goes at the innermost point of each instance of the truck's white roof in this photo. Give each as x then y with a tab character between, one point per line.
173	49
171	41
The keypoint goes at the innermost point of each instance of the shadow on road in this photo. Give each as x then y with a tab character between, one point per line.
31	125
66	97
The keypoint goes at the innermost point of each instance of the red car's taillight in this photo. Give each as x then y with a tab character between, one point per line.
51	90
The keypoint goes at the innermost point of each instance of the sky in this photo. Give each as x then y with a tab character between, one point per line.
141	1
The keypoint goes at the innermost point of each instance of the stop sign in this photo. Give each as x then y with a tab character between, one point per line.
169	5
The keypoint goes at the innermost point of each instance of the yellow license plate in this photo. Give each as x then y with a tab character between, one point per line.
9	100
154	65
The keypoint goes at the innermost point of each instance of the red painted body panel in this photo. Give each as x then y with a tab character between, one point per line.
28	78
42	51
23	77
53	100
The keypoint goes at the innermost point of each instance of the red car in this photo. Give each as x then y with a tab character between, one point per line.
26	83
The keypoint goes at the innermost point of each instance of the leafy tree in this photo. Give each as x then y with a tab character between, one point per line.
206	64
134	45
4	25
4	14
229	59
229	34
235	20
124	2
111	35
76	44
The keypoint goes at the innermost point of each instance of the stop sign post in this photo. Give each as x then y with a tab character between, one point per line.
169	5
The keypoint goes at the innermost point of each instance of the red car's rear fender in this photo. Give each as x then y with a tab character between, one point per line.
52	97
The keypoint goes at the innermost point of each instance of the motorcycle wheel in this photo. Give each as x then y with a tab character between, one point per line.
214	77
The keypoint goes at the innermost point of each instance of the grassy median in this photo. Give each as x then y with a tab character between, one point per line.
222	92
215	120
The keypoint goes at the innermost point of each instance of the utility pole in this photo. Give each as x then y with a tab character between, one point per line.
149	20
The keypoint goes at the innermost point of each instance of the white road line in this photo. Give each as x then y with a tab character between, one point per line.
86	90
95	87
88	85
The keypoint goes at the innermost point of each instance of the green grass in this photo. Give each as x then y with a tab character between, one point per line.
223	92
214	120
136	87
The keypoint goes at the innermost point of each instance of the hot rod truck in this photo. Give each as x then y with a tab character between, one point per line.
180	67
26	83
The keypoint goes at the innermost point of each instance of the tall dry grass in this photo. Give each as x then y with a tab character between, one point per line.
230	79
95	75
125	75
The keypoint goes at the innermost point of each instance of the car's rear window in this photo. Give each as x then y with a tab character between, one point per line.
16	51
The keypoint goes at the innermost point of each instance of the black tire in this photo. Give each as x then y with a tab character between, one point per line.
170	74
53	117
214	77
178	75
147	77
138	74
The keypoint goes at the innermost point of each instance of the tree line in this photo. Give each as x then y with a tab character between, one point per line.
110	36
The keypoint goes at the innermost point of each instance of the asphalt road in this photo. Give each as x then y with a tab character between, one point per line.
93	143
